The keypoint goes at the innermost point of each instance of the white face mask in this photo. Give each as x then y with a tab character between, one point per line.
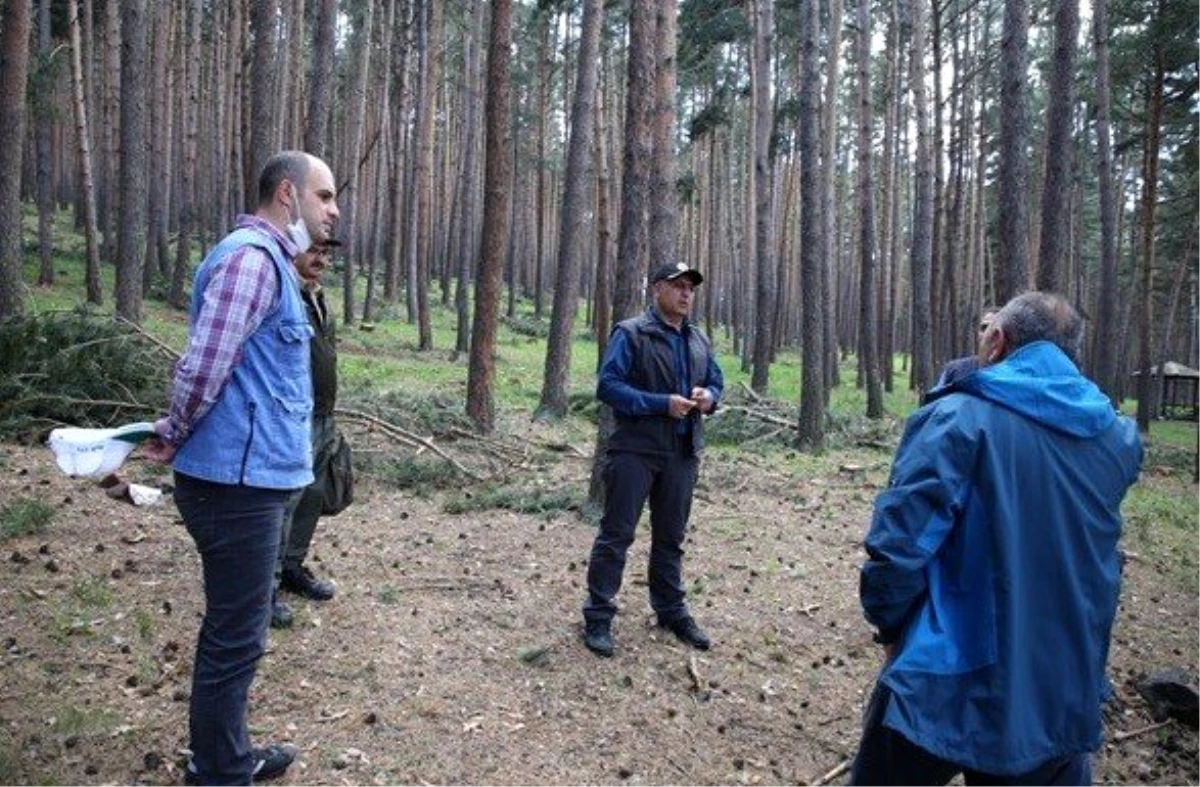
298	230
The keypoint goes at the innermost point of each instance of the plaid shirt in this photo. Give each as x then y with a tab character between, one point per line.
241	292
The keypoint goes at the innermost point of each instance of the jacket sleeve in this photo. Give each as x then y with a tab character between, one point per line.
613	386
914	516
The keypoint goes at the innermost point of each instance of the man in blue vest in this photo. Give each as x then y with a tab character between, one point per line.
659	376
237	436
993	572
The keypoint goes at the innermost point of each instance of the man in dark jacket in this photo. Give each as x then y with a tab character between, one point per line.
300	521
659	375
993	573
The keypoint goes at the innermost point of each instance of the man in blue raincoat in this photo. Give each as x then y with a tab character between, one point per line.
993	572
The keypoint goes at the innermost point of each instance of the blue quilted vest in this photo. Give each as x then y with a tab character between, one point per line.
258	431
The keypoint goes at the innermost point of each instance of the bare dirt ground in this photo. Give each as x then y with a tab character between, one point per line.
452	652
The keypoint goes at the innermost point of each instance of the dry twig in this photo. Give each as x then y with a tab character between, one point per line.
1118	737
170	352
694	674
841	768
404	436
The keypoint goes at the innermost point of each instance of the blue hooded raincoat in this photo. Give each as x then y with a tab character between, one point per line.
993	562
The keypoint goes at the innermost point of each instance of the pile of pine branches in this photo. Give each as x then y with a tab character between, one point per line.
77	368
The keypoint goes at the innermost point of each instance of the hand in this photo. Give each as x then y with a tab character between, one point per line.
679	406
703	399
157	448
890	650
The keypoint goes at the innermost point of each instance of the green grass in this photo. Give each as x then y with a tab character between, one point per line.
72	720
24	517
1161	520
524	499
92	592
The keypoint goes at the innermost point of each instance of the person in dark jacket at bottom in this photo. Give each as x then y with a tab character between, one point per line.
993	571
660	376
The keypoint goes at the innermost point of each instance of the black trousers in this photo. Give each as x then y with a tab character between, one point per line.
887	757
666	481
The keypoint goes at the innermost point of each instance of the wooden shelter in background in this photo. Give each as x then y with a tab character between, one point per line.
1179	392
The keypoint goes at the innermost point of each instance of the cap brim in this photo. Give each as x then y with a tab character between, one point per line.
688	274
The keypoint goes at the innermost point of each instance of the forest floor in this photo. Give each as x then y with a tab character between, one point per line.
452	652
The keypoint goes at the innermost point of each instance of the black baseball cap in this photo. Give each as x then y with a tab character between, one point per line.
673	270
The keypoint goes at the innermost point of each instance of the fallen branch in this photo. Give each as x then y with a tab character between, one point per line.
170	352
694	674
74	400
404	436
750	411
1118	737
841	768
750	393
325	719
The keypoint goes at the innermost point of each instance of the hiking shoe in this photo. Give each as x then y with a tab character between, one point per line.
270	762
281	615
303	582
598	639
686	629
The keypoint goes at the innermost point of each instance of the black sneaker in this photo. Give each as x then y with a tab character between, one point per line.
281	615
598	638
270	762
686	629
302	582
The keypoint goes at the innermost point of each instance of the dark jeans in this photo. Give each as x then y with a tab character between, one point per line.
630	480
887	757
236	530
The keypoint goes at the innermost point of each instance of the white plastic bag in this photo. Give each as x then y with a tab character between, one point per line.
96	452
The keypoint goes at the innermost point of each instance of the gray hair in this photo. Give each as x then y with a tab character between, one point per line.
1041	316
290	165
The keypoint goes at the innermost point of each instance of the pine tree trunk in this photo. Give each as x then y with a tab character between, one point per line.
353	202
160	143
264	81
467	230
828	236
43	149
131	232
868	319
662	236
320	86
921	249
1054	246
110	125
91	230
1149	202
189	120
481	406
579	184
764	184
1104	360
813	245
1012	263
15	26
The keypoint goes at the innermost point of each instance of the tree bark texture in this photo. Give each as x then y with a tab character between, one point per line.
579	184
14	72
1012	264
1054	248
481	407
131	231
